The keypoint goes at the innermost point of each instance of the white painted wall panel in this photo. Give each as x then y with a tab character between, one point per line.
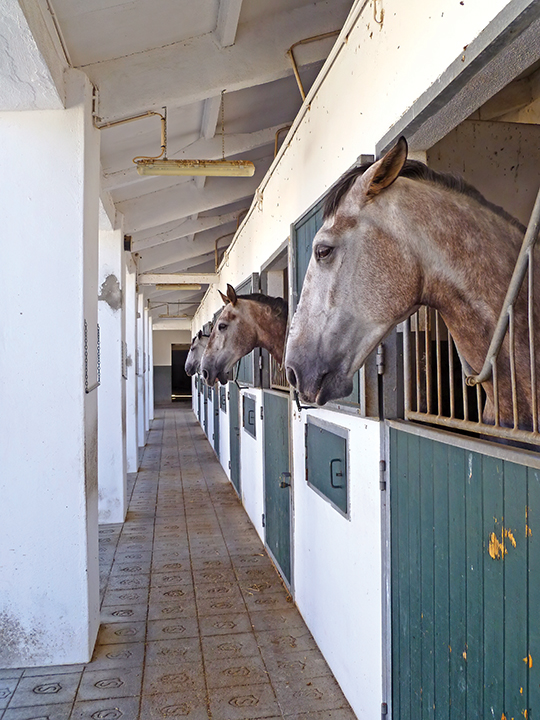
48	439
337	564
251	466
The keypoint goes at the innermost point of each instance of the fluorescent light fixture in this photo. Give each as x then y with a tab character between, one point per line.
172	286
173	316
218	168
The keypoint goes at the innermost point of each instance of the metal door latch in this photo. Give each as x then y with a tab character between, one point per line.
284	477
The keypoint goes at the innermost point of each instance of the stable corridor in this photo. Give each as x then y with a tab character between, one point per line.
195	620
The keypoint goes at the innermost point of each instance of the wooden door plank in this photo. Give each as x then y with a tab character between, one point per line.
533	547
474	493
427	564
493	588
441	581
516	662
415	575
457	558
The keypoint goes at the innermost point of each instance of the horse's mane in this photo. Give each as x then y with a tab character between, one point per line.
414	170
279	305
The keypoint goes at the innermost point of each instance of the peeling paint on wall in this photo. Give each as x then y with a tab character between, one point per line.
111	293
18	647
497	548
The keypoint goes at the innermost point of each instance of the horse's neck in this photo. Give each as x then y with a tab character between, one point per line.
271	330
466	272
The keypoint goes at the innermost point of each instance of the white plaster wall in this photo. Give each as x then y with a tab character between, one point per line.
337	564
49	586
150	370
146	368
141	361
28	80
224	438
251	465
112	391
130	309
163	339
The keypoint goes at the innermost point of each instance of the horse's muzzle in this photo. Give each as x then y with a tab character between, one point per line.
316	385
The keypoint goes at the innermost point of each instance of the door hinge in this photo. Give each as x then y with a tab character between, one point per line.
262	413
228	395
380	359
261	363
263	522
229	464
384	709
382	475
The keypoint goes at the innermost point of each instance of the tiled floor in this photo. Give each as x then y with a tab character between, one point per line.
195	621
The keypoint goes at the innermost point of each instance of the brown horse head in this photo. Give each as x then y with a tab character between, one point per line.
246	322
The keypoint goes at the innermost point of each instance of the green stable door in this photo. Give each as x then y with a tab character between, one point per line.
277	479
465	583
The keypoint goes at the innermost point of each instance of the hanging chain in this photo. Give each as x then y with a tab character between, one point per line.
223	125
164	140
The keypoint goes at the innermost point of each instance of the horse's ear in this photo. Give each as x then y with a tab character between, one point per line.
231	294
224	297
383	173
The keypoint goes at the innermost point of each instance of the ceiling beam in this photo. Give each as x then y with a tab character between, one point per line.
170	204
189	249
227	24
190	72
210	117
201	149
177	278
188	228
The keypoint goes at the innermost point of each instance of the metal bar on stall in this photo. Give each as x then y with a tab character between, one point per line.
451	375
532	346
513	380
438	361
514	287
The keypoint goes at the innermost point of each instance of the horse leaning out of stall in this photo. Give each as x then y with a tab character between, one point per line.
198	346
246	322
397	235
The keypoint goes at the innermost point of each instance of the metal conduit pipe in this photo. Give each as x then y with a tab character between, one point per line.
216	256
305	41
281	129
357	9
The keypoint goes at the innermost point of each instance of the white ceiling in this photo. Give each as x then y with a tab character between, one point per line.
146	54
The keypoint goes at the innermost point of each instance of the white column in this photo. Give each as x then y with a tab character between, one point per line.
150	368
146	322
49	199
130	311
112	391
141	409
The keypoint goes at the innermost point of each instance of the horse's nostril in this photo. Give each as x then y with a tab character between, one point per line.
205	374
291	376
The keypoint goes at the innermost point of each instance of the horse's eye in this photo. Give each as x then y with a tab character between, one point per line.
323	251
222	327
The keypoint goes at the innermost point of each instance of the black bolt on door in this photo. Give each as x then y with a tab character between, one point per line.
277	479
234	435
